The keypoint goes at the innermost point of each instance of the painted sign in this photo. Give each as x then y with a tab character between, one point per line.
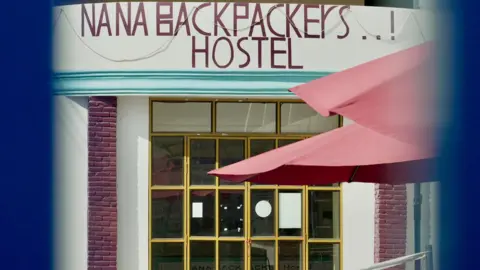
233	36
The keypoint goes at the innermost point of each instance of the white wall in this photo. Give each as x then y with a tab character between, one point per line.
71	182
132	182
358	223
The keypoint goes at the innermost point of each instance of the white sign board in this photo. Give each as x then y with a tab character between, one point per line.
290	210
157	36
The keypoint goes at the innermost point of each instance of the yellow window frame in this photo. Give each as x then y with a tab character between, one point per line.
246	188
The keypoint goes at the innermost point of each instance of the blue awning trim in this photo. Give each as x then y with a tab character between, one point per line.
181	83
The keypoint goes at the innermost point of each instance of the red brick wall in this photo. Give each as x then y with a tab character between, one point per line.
102	181
390	222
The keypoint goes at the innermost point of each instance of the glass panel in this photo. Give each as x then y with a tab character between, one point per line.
286	142
167	214
181	117
258	147
202	160
329	185
231	255
230	151
167	256
290	255
202	213
202	255
323	256
242	117
262	255
231	211
324	214
262	212
290	213
167	160
301	118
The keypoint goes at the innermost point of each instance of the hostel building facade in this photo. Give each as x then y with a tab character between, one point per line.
150	96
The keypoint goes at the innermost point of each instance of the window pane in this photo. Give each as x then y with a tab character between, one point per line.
258	147
324	214
202	213
181	117
323	256
231	151
167	214
300	118
202	255
167	160
167	256
231	255
231	211
202	160
290	255
327	185
286	142
262	255
262	212
290	213
246	117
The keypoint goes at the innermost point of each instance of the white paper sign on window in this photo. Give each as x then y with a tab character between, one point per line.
197	210
290	210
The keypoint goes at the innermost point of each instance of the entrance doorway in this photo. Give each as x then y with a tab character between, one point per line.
202	222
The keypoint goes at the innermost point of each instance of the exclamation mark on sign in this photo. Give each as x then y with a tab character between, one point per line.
392	25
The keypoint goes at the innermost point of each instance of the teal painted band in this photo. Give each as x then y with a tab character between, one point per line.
179	83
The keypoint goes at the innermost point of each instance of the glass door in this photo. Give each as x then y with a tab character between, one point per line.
217	215
200	222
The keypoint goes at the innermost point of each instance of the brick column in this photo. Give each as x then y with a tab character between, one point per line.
390	222
102	183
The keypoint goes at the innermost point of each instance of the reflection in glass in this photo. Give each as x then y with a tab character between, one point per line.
167	160
230	151
167	214
202	255
202	213
202	160
246	117
262	255
323	256
324	214
262	212
231	255
289	255
167	256
181	116
290	213
231	211
328	185
286	142
301	118
258	147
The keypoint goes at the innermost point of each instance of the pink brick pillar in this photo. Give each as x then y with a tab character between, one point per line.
102	183
390	222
